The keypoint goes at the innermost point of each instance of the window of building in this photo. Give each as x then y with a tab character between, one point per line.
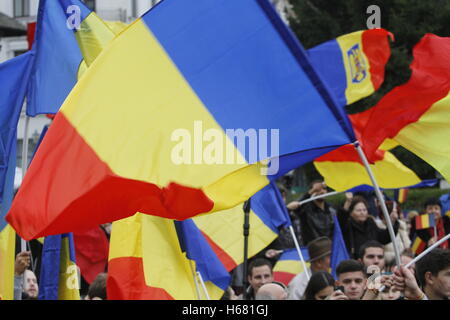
90	4
21	8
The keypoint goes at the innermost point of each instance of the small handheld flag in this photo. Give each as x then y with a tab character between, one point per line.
425	221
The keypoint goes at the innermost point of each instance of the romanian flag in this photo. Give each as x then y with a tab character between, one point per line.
352	65
14	76
289	265
445	201
141	150
208	265
401	194
146	261
425	221
418	245
214	243
59	278
416	113
91	250
343	169
67	40
339	250
224	230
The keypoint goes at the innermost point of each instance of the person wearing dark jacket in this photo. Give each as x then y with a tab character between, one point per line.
316	217
433	206
358	227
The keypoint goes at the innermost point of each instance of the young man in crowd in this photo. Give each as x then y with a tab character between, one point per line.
433	272
372	254
352	276
316	217
259	273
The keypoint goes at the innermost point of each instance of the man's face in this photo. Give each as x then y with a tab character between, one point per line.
434	210
374	256
259	276
31	286
440	284
354	284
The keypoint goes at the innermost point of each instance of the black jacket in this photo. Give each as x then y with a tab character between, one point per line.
315	222
356	234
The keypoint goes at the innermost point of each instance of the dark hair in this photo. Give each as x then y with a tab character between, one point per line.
432	202
355	201
319	281
434	262
97	289
349	266
258	262
314	182
369	244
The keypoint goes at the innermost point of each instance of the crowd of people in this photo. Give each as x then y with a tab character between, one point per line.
371	273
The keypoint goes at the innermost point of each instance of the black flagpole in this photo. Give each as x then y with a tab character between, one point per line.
246	233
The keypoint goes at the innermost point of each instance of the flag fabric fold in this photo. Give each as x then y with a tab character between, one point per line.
343	169
224	230
68	38
14	75
146	261
121	134
212	271
289	265
59	279
416	113
339	251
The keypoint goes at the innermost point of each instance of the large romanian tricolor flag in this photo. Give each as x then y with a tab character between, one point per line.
343	169
416	114
353	65
289	265
166	141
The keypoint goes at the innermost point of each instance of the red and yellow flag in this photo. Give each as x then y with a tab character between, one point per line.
416	114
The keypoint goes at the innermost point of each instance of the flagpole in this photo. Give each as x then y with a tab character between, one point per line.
23	243
195	280
320	196
302	259
246	234
381	200
200	278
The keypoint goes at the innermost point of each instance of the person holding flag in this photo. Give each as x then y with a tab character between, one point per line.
432	226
